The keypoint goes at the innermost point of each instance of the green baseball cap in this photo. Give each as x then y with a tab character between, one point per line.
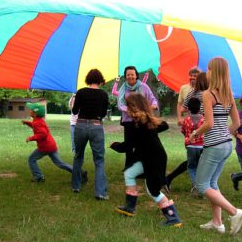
38	108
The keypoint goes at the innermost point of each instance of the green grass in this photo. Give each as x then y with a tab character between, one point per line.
51	212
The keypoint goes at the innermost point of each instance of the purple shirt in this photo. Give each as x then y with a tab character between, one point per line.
146	92
238	147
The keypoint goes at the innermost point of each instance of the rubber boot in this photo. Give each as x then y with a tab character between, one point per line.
172	216
236	177
129	208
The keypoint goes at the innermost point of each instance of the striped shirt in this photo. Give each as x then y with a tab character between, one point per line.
219	133
198	95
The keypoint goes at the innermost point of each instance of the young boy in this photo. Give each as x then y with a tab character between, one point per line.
193	121
45	142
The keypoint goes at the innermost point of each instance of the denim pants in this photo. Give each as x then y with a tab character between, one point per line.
210	166
193	155
93	133
37	155
132	172
72	138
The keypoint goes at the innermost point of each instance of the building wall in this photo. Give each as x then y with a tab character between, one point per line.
19	109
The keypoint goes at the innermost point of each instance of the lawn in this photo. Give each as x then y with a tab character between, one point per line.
51	212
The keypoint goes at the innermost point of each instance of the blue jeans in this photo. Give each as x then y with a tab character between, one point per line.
93	133
210	166
72	138
240	160
193	155
132	172
36	155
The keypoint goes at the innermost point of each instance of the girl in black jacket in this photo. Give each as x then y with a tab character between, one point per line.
150	159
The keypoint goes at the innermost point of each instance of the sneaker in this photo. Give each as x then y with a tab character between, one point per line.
211	225
101	197
38	180
236	222
125	211
235	182
76	190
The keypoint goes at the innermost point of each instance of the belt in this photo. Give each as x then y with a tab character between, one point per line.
89	121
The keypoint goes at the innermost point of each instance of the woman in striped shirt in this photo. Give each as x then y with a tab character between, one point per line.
218	105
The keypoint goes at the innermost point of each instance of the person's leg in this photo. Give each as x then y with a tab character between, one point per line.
81	139
131	189
129	139
72	138
209	169
179	170
58	162
33	158
191	163
240	160
96	140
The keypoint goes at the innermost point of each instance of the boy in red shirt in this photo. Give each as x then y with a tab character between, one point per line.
192	122
45	142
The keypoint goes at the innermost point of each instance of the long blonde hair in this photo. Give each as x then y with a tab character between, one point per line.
140	110
219	80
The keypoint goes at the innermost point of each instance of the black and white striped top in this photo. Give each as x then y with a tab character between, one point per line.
219	133
198	95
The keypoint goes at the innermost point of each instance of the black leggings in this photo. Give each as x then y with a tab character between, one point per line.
179	170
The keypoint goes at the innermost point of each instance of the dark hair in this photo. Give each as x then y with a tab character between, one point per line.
201	82
140	110
94	76
131	68
194	70
240	101
194	105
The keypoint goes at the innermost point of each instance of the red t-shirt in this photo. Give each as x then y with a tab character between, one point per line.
42	136
188	126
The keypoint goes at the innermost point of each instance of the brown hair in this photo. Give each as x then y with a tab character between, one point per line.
219	80
201	82
139	109
94	76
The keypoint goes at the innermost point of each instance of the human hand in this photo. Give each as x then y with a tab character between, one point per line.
192	136
24	121
27	140
117	79
179	122
154	106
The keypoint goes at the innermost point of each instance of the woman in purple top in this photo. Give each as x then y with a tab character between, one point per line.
236	177
132	84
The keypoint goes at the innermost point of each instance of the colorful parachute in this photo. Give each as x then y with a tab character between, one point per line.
52	44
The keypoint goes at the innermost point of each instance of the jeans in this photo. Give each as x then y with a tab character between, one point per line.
193	155
72	138
36	155
135	170
240	160
93	133
210	166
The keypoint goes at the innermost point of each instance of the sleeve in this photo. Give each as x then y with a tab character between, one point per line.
187	99
40	132
119	147
105	105
180	96
149	95
30	124
162	127
76	107
115	89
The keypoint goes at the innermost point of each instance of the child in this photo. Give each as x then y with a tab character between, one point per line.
45	142
193	121
150	159
236	177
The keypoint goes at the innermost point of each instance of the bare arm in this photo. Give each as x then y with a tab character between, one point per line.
235	119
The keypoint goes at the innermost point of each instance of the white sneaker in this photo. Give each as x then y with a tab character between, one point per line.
236	222
211	225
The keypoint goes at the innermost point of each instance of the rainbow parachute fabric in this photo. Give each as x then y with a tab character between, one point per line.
53	44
